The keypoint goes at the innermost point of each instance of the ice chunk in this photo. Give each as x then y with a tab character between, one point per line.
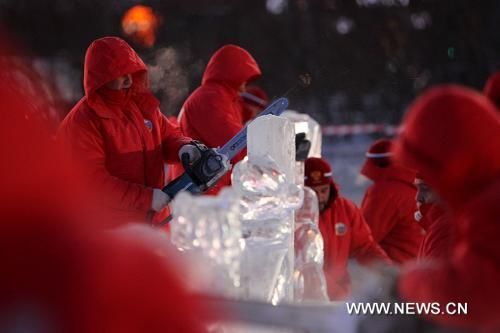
274	137
309	278
210	225
262	264
309	211
269	195
264	190
267	205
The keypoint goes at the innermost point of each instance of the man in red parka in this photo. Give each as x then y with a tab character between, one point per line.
213	112
451	136
344	230
433	216
119	134
389	204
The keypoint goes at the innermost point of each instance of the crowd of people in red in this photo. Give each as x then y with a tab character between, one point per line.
432	208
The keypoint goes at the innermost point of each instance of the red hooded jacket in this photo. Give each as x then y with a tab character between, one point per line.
345	232
389	206
121	137
213	112
451	136
346	235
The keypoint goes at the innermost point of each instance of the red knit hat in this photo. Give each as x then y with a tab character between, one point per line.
492	89
378	157
317	172
451	136
380	149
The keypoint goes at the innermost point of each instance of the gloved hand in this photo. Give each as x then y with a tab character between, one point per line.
302	147
160	200
193	152
204	165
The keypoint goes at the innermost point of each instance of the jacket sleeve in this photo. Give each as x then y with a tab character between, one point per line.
172	139
363	246
86	146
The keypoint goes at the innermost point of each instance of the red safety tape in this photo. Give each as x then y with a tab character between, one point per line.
341	130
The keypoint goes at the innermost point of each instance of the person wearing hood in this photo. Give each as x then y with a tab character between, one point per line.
389	204
434	217
345	232
117	132
492	89
451	134
213	112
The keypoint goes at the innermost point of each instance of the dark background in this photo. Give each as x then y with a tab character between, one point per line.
368	58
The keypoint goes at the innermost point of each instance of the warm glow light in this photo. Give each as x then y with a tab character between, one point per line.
140	23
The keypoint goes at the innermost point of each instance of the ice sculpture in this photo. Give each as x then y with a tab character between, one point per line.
274	137
267	199
305	124
309	278
210	226
266	184
265	190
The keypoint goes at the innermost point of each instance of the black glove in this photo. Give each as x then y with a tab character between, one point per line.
203	164
302	147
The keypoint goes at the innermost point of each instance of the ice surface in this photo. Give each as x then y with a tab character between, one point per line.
309	278
210	226
265	192
274	137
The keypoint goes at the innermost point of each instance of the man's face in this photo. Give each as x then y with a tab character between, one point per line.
123	82
323	193
425	195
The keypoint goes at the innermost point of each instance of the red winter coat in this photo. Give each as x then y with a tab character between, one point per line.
438	232
60	272
451	136
388	207
213	112
121	138
346	235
